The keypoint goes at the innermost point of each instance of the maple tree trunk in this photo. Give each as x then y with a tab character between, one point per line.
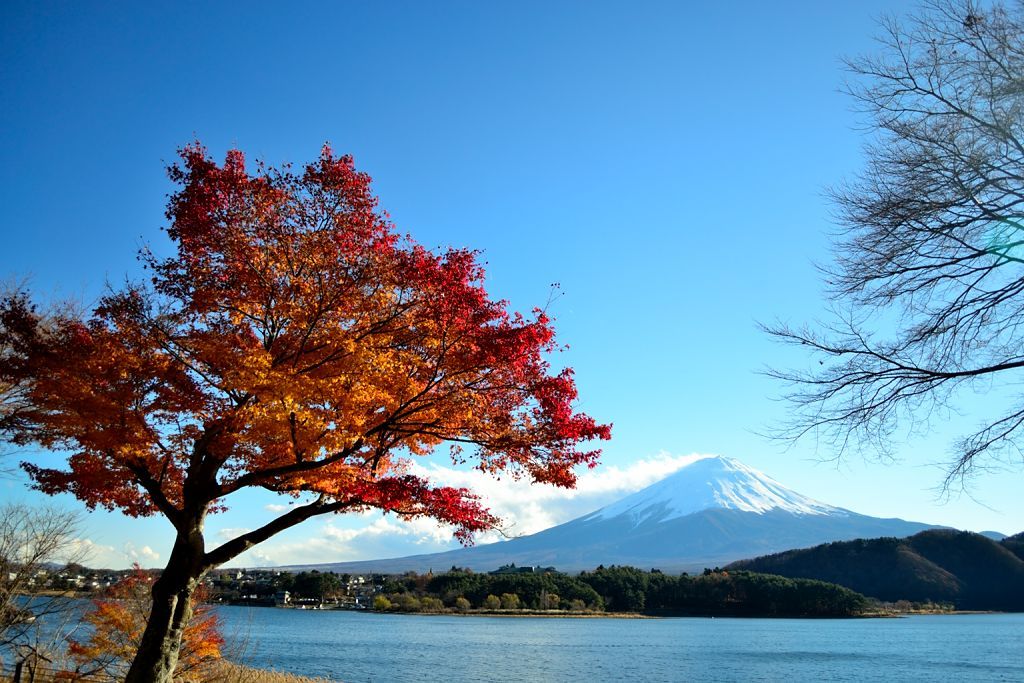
158	652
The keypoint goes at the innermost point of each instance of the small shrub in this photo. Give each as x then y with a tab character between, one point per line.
431	604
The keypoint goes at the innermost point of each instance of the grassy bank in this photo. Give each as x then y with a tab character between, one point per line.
221	672
229	672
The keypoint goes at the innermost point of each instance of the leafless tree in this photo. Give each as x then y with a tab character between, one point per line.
927	283
32	542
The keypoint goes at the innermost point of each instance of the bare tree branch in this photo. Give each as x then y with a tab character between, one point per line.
927	276
30	540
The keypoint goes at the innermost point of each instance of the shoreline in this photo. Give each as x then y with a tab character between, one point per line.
520	614
551	614
554	614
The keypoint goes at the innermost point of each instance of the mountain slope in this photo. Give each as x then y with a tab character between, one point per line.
1015	544
967	569
711	512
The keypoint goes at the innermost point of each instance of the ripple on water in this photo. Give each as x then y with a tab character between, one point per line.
356	647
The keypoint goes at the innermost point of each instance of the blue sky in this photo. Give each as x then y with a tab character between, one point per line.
663	161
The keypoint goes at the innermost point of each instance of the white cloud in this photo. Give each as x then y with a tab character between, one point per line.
377	536
142	555
257	557
528	508
275	507
523	508
380	527
231	533
87	552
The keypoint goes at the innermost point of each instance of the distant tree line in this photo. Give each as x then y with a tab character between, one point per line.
718	592
312	585
622	590
550	590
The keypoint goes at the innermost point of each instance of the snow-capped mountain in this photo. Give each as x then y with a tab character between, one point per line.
712	482
711	512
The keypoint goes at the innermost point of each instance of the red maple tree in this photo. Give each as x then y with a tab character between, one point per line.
117	621
296	343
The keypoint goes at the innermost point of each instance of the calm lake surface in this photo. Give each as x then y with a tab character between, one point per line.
358	647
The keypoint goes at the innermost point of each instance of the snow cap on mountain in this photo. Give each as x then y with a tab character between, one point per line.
713	482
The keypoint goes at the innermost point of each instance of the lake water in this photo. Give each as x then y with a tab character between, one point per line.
384	648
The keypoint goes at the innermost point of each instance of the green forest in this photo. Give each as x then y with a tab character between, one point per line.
967	570
622	590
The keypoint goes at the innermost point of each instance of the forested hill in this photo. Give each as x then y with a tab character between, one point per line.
1015	544
959	567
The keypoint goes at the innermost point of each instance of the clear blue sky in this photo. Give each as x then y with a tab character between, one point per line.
663	161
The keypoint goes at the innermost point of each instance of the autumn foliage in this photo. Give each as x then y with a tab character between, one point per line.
116	624
294	342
